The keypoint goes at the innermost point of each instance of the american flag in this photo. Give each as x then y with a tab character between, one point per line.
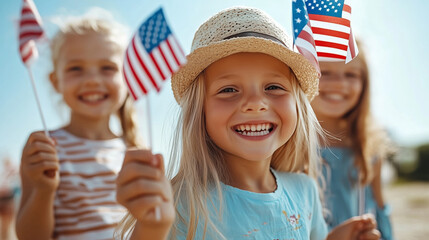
152	56
30	29
330	23
303	35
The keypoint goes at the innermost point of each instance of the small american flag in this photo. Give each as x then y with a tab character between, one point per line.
330	23
152	56
303	35
30	29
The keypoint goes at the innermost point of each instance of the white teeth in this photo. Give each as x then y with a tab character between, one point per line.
334	96
93	97
253	134
254	130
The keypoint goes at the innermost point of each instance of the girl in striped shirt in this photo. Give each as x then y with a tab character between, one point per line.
69	179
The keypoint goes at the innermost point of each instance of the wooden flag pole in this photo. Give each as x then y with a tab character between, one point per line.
150	142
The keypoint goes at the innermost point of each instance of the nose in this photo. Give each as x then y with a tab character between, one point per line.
92	77
254	102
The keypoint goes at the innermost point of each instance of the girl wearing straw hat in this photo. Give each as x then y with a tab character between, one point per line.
246	148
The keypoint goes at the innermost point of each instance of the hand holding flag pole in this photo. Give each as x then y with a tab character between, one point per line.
152	56
30	30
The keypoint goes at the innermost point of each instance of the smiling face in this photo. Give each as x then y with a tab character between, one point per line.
340	88
88	75
250	108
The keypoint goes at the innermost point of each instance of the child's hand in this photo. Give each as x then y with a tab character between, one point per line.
357	228
39	163
142	187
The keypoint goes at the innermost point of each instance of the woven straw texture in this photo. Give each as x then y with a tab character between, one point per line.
211	44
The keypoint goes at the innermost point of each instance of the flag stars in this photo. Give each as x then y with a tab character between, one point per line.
298	10
298	20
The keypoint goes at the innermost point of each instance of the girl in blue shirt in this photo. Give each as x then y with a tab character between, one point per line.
353	156
247	141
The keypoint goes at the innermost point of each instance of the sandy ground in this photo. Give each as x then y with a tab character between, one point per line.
410	210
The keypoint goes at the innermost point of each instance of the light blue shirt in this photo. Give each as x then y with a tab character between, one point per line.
342	191
292	211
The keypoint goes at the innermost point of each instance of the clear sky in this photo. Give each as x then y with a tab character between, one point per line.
394	32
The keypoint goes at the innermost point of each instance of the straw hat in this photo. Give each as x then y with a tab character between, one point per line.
242	29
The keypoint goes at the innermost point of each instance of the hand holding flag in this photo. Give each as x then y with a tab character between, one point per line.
30	30
152	56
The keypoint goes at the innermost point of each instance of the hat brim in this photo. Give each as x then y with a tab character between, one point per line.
202	57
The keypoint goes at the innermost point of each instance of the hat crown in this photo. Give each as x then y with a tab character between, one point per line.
235	21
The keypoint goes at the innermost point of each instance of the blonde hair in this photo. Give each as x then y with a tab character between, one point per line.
201	167
116	33
369	141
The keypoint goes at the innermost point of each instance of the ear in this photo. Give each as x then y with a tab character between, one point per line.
54	81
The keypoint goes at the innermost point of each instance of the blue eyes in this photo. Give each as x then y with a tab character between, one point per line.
269	88
274	87
228	90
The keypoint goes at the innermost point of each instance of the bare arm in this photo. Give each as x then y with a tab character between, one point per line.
35	218
144	231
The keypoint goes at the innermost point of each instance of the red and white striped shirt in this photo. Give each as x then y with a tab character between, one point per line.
85	203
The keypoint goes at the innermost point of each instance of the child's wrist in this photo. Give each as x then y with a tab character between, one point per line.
43	193
155	230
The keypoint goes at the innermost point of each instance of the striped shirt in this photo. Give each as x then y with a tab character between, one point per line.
85	204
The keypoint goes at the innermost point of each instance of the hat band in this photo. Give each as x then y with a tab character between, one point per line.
255	34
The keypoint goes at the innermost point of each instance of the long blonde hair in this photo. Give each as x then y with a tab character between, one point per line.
369	141
201	167
116	33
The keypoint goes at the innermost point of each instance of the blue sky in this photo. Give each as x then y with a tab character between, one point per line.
393	31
